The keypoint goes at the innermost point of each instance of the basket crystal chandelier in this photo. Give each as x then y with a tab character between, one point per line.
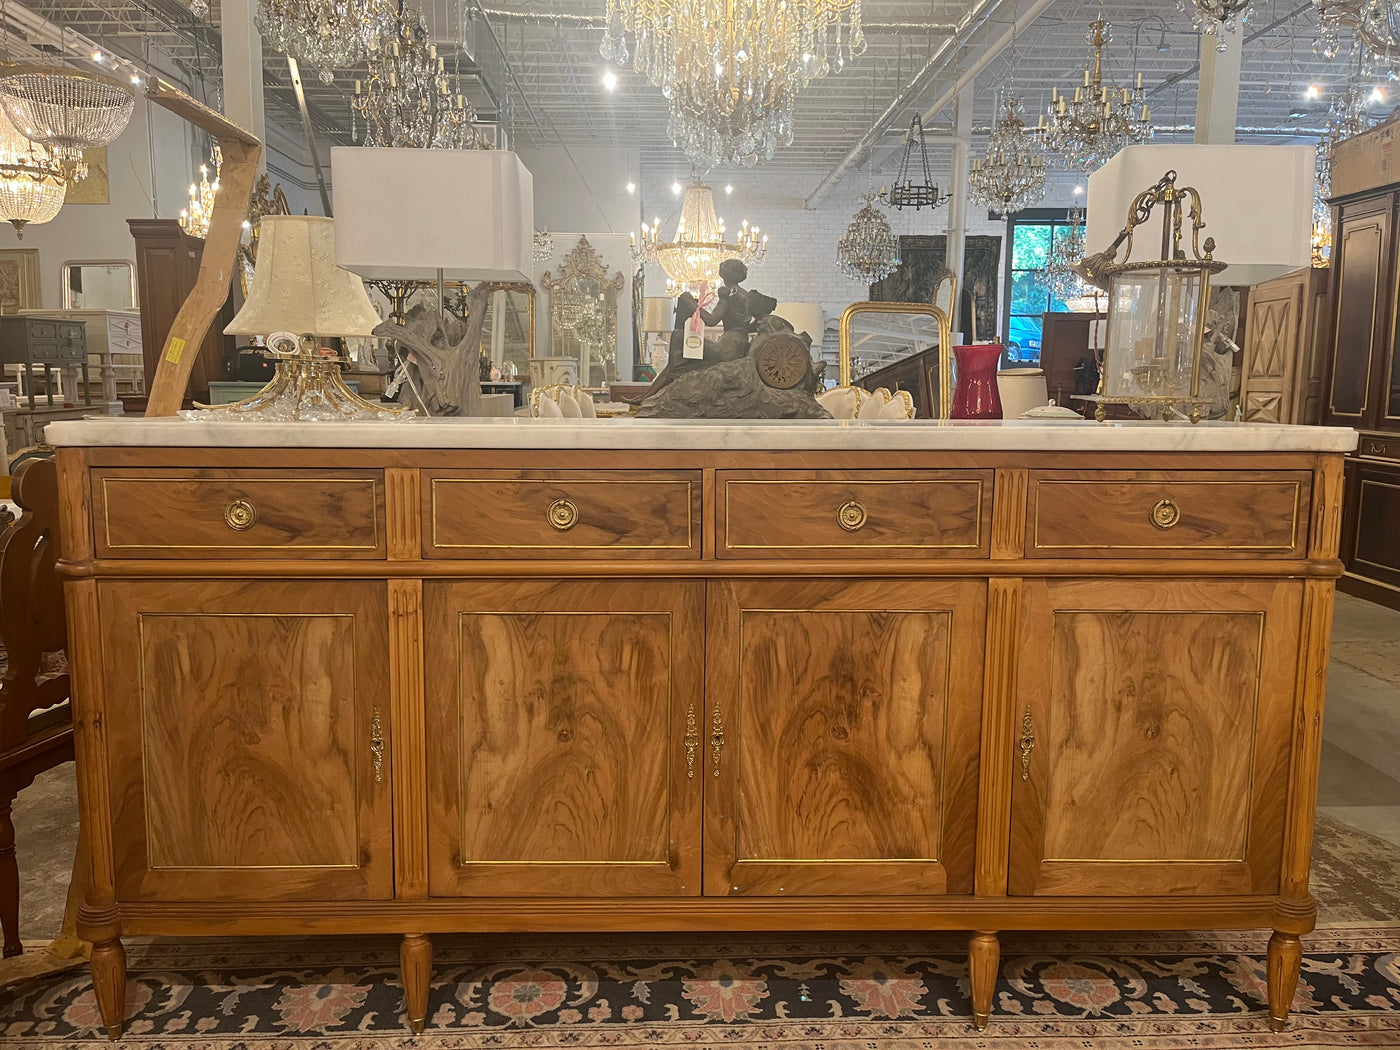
1011	175
694	255
408	99
1376	24
1218	17
329	34
730	69
66	110
1100	118
868	251
32	183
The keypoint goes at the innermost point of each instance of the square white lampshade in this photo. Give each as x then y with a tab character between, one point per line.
1256	201
408	213
297	286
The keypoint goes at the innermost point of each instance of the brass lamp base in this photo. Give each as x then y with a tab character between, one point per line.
1193	404
303	389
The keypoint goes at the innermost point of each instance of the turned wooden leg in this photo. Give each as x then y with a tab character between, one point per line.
9	881
983	965
1285	960
416	960
100	924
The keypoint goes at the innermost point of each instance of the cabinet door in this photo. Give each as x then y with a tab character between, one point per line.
1372	540
558	723
248	729
1360	326
1271	350
843	736
1154	720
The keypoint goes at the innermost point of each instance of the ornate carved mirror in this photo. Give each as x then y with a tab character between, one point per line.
904	346
508	334
583	313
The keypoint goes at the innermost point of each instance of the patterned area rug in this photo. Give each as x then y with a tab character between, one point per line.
1147	991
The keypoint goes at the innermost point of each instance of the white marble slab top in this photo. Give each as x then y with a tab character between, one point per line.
736	435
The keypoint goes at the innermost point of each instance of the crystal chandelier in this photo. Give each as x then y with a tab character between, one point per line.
1376	24
1346	116
194	220
1012	174
730	69
1100	118
407	98
1066	250
329	34
67	110
1218	16
906	193
693	257
867	251
544	245
32	184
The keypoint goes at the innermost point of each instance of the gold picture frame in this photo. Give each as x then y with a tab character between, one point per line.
19	280
945	341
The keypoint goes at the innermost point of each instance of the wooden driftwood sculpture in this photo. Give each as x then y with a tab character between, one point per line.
443	352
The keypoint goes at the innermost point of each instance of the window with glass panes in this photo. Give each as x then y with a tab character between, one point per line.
1031	238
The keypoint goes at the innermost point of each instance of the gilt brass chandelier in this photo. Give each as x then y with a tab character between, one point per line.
32	183
700	243
730	69
1100	118
194	219
329	34
868	251
1011	175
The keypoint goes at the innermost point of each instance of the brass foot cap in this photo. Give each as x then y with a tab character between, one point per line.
1278	1024
979	1021
114	1032
418	1025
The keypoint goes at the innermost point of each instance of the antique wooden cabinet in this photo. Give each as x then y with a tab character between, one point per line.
463	677
1284	342
1362	387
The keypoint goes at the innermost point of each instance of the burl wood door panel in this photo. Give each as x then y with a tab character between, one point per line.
1153	727
561	514
850	714
861	514
243	719
557	737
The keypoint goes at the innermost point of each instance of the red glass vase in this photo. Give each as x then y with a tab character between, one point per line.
975	394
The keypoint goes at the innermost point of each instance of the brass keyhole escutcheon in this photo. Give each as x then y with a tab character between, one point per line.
240	515
851	516
1165	514
563	515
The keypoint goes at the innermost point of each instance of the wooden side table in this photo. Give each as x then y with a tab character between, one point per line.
48	341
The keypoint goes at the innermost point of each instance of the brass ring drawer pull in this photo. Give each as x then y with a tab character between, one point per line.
1165	514
851	516
563	515
240	515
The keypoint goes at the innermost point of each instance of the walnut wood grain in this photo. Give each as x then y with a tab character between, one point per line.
555	725
409	740
1108	514
506	514
244	716
794	514
1306	749
182	513
850	711
1160	716
999	727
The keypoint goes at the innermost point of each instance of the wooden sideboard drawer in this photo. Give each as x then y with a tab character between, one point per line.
561	514
1140	514
205	513
1385	446
876	513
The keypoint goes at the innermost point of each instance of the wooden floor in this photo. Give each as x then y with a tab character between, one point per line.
1359	785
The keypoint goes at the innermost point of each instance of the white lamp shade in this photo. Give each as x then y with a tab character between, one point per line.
297	287
804	317
658	314
408	213
1256	201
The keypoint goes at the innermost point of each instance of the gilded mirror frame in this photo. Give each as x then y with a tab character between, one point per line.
584	262
945	340
68	291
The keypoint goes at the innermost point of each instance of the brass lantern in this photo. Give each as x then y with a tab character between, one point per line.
1156	308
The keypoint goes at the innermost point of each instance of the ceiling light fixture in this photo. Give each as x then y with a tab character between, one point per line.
1313	91
731	69
693	256
610	80
905	193
32	182
868	251
67	110
1100	118
194	220
1011	175
1376	24
329	34
1218	17
631	187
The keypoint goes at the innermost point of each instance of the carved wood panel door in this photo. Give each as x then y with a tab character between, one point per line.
559	757
1271	365
1154	721
256	719
848	716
